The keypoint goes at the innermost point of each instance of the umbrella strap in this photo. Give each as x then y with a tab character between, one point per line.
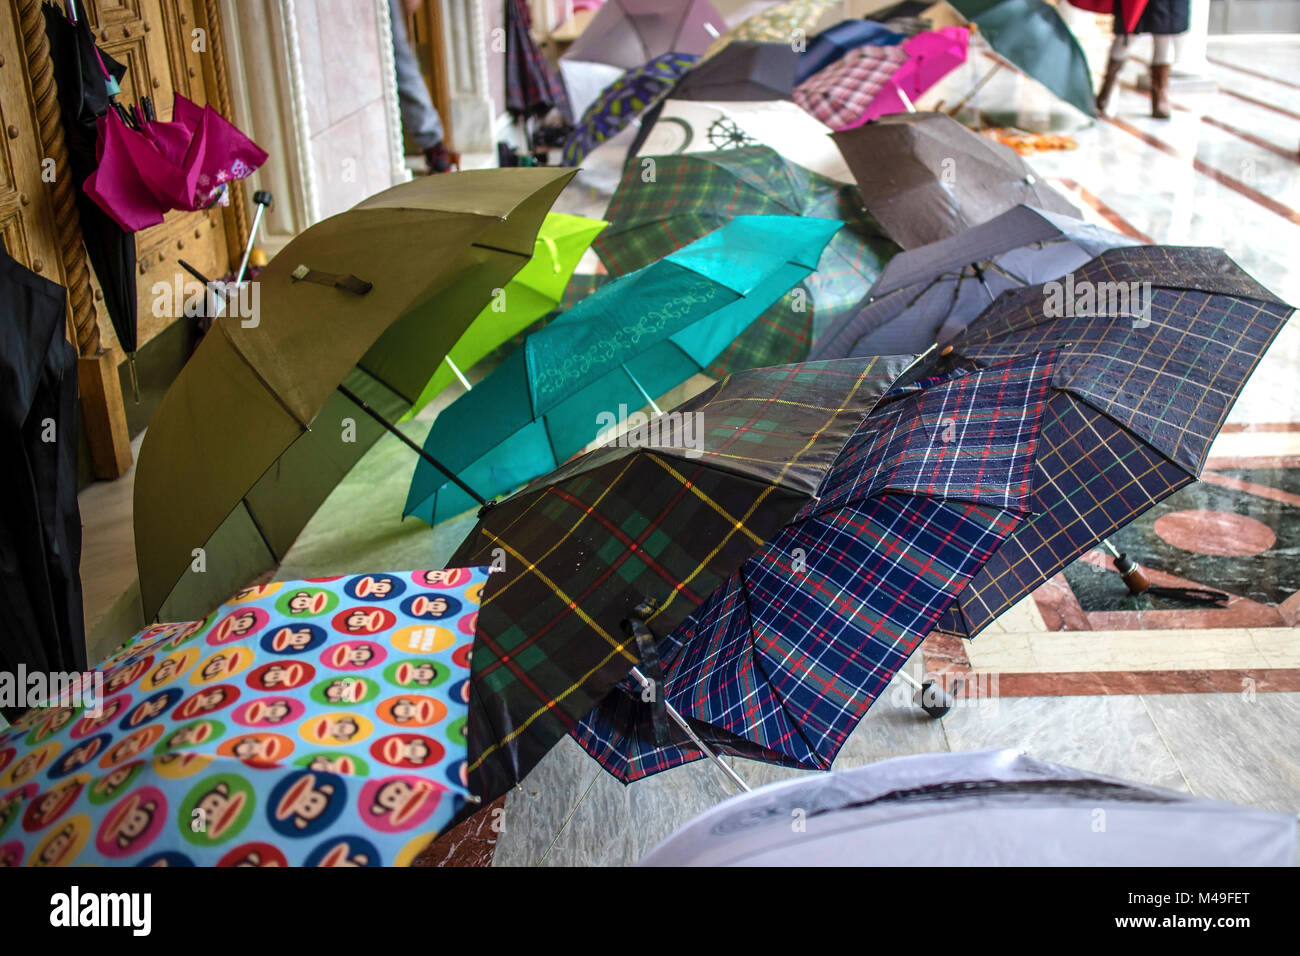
336	280
1191	595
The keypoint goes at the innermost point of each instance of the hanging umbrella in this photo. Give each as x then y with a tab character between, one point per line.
633	340
621	101
537	289
84	76
834	42
662	523
232	466
532	88
1032	36
151	168
1135	406
781	662
40	524
693	194
789	22
303	723
987	808
925	177
931	293
626	34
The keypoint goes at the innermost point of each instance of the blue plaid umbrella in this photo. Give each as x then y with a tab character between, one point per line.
621	101
783	660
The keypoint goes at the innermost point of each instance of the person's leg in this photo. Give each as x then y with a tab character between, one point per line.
419	117
1114	63
1162	58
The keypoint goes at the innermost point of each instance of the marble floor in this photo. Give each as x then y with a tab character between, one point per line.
1199	699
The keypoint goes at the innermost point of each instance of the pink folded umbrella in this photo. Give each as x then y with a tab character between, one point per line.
182	164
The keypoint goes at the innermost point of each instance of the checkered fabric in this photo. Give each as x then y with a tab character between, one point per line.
841	93
783	660
1137	405
532	87
666	522
620	102
692	194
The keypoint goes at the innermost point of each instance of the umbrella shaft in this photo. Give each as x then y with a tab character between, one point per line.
680	721
644	394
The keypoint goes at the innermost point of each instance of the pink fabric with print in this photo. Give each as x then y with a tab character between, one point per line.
930	57
181	164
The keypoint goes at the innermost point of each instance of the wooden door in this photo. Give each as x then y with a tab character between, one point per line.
168	47
425	28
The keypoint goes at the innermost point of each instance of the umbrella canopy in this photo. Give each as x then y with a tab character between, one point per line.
83	89
1032	36
532	87
925	177
1135	406
536	290
620	102
931	293
783	660
745	70
230	470
832	43
841	94
785	22
632	340
693	194
662	521
302	723
987	808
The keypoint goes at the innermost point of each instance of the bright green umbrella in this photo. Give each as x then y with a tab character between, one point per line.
534	291
633	339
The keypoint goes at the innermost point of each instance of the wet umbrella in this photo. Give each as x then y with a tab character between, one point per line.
1032	36
695	193
834	42
302	723
781	662
986	808
1161	342
925	177
636	531
84	75
620	103
633	340
930	293
254	433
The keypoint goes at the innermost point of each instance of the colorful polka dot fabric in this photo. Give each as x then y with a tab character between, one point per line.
303	723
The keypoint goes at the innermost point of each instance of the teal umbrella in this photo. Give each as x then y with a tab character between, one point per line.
1032	36
613	353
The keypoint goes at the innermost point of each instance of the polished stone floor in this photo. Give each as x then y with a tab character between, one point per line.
1206	700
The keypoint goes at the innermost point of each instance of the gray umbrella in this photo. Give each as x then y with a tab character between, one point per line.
986	808
931	293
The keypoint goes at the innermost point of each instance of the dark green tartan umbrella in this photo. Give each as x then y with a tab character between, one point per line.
691	194
643	532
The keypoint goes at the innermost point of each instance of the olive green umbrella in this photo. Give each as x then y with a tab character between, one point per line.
255	432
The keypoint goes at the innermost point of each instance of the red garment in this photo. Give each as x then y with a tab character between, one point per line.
1132	9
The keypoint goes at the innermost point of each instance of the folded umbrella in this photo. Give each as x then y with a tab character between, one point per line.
303	723
693	194
633	340
929	294
925	177
834	42
532	87
254	433
641	533
781	662
620	103
1162	340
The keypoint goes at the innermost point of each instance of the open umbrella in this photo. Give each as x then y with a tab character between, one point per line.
641	532
987	808
1032	36
695	193
84	75
633	340
537	289
620	102
925	177
781	662
788	22
929	294
254	433
842	93
302	723
834	42
1161	342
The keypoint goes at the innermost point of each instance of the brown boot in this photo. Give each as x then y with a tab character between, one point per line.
1160	91
1108	85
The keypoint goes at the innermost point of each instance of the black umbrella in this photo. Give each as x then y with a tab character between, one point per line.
532	87
40	525
743	70
84	97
